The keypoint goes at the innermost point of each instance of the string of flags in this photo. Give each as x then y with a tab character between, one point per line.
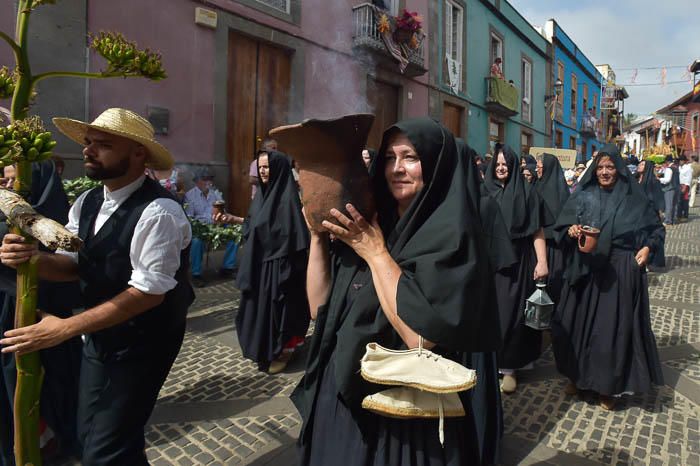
661	77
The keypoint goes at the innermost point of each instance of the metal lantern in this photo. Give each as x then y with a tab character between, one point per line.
539	308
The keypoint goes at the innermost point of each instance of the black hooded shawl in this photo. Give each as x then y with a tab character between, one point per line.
61	363
624	215
495	230
275	226
651	186
519	204
443	293
553	191
47	198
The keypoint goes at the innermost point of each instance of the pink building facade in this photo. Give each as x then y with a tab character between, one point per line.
313	59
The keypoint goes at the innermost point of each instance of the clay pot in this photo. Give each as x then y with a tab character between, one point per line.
588	240
331	171
219	207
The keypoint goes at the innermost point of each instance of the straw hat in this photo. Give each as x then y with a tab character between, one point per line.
125	123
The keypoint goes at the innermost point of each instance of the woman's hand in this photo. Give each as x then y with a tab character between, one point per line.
541	271
364	238
575	231
226	219
642	256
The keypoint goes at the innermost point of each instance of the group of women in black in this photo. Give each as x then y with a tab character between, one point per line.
427	268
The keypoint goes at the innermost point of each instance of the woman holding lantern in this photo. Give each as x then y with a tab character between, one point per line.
520	206
601	331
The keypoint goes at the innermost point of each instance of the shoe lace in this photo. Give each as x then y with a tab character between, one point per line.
427	354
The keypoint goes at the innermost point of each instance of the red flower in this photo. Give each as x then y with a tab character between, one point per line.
409	21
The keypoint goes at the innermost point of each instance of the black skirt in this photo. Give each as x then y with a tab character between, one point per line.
657	258
601	331
483	406
273	313
556	265
521	344
337	435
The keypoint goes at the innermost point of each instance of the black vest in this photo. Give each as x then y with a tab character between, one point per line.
105	270
675	184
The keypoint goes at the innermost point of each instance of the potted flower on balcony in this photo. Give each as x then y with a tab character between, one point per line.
408	24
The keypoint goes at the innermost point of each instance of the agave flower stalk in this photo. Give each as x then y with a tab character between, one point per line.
31	144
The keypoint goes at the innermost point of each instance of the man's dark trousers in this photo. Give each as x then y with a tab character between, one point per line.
117	398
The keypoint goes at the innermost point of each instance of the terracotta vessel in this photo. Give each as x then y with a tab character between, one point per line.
219	207
331	171
588	239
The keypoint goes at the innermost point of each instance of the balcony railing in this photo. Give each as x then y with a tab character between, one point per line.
502	98
589	126
367	37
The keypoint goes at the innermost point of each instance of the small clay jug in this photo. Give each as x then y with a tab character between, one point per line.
588	240
219	207
331	171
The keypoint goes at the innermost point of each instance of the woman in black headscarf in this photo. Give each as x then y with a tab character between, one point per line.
646	174
520	206
530	173
528	166
368	156
59	398
485	406
274	312
554	192
426	279
601	331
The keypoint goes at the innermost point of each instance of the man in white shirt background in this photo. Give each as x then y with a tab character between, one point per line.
695	166
199	202
670	185
133	272
685	175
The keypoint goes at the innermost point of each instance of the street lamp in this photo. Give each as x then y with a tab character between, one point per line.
558	85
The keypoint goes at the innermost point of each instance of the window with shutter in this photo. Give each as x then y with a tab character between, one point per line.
280	5
453	33
526	91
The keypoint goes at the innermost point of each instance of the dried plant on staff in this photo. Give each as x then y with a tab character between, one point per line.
25	142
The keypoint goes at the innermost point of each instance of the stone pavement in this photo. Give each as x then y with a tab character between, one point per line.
216	408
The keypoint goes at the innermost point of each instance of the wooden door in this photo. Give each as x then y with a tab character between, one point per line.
452	118
384	99
259	77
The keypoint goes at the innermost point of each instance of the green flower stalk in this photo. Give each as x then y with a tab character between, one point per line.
23	143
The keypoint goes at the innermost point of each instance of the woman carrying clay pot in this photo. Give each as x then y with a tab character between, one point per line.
601	331
520	207
416	270
273	316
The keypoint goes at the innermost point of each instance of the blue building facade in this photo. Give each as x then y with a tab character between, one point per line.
476	106
576	112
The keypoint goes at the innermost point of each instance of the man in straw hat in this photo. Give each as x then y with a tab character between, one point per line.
133	275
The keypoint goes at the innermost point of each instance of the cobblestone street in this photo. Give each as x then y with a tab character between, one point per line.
217	408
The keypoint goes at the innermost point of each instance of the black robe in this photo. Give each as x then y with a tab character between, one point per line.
485	406
651	186
61	363
519	204
272	274
442	294
554	193
601	330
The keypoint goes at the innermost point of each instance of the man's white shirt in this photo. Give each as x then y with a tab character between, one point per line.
161	233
